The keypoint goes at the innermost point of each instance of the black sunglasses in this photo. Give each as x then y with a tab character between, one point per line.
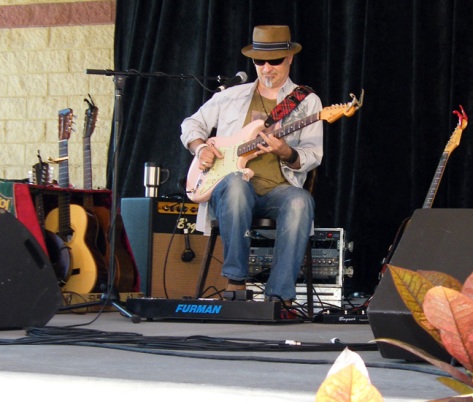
274	62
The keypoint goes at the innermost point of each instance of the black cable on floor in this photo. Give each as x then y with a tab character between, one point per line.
68	336
134	342
396	366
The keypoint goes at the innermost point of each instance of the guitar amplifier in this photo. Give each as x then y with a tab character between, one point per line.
167	248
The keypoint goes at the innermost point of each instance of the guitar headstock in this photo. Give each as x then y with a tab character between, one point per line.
66	119
41	172
455	138
335	112
90	117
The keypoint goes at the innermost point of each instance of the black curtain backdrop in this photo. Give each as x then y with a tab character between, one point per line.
414	59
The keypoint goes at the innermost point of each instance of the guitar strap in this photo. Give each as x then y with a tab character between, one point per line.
288	104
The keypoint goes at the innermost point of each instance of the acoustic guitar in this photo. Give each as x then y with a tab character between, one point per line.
73	224
238	149
452	144
124	275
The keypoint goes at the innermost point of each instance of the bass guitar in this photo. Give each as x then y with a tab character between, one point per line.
75	225
238	149
124	273
452	144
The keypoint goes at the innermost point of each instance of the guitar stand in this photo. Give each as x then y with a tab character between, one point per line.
110	296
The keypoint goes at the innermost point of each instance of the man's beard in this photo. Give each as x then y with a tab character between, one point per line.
268	82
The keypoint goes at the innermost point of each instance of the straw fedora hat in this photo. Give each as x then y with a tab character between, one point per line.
271	42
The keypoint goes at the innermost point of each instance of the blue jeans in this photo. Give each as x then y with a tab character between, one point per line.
236	204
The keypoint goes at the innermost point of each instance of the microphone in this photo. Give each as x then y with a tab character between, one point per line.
188	254
239	78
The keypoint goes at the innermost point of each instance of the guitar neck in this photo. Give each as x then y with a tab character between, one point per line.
39	203
89	126
88	201
452	143
281	132
64	199
87	164
330	114
63	179
429	199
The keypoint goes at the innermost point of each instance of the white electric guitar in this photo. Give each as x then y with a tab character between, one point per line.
238	149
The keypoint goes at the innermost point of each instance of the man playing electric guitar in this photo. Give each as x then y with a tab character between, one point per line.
271	183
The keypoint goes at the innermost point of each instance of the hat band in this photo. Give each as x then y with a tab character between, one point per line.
271	45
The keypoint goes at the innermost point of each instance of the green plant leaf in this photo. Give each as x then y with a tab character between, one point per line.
412	288
451	312
455	373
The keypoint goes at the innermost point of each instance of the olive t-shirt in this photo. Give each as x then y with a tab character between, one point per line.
267	169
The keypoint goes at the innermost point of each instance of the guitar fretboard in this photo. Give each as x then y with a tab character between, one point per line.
87	164
63	164
429	199
278	133
65	230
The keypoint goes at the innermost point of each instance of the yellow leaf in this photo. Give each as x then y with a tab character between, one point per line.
457	386
347	385
441	279
412	287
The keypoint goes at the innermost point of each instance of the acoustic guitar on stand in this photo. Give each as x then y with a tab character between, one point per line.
238	149
452	144
75	225
124	273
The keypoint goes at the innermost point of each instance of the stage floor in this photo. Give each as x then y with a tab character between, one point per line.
91	355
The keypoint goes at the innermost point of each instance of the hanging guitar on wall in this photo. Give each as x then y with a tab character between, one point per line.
452	144
75	225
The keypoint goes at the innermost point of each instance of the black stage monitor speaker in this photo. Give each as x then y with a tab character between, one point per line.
29	292
435	240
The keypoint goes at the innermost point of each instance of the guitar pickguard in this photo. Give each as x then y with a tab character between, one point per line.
222	167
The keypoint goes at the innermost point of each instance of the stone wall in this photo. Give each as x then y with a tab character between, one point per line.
45	49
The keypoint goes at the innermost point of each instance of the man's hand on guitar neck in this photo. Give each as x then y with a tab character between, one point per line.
280	148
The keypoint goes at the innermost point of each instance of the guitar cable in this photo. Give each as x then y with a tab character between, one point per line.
188	254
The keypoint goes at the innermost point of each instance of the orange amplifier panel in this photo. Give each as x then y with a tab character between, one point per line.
174	216
176	207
